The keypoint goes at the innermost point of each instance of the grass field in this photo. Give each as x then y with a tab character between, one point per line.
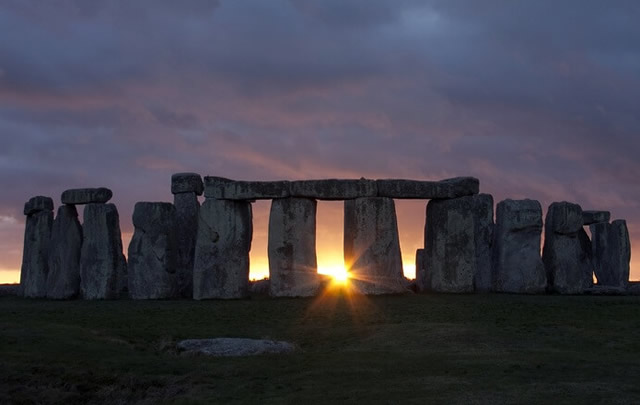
395	349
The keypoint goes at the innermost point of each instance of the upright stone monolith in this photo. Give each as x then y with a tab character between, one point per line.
35	257
563	255
420	276
611	253
586	257
186	188
518	267
221	264
64	254
483	235
450	255
293	265
371	246
153	252
103	268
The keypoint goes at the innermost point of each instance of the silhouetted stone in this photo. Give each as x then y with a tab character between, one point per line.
563	255
420	270
37	204
611	253
226	189
187	208
333	189
594	217
371	246
9	290
450	256
449	188
186	183
35	257
63	281
517	263
221	264
483	236
153	252
103	269
293	267
86	195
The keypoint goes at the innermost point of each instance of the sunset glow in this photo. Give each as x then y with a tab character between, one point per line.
339	274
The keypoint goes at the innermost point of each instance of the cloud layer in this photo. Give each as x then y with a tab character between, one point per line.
537	99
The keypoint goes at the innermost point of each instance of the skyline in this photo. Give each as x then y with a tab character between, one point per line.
123	95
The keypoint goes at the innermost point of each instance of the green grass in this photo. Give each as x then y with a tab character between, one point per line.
396	349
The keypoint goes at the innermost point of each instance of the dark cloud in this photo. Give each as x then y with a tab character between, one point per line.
538	99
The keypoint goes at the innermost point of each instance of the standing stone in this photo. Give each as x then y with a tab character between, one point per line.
293	265
64	255
35	257
517	264
611	253
221	264
153	252
371	246
186	187
562	255
483	235
420	276
103	268
450	256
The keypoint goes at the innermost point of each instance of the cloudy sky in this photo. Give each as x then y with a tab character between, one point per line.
538	99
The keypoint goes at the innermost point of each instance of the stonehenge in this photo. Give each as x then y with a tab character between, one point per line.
187	250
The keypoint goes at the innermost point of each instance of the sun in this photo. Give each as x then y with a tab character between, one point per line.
339	274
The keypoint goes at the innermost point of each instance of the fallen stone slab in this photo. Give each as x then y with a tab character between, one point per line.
594	217
371	246
606	290
37	204
333	189
518	266
86	195
225	189
153	252
415	189
293	265
63	281
234	347
186	183
633	288
9	290
611	253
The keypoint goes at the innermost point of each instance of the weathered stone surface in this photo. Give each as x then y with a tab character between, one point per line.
562	255
450	256
103	269
35	257
221	264
371	246
153	252
86	195
231	347
259	287
334	189
593	217
611	253
226	189
63	281
518	267
187	209
483	236
37	204
450	188
186	183
293	266
420	270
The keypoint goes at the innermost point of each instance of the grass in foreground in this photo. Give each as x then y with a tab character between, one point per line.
395	349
